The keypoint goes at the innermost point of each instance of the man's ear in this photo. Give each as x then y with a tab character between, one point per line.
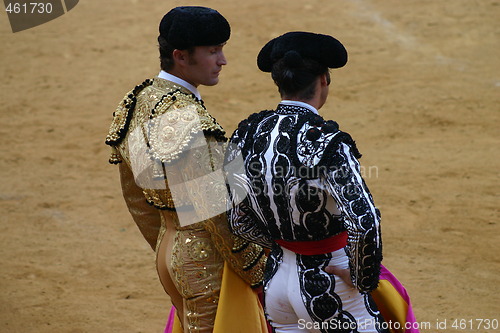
180	56
324	80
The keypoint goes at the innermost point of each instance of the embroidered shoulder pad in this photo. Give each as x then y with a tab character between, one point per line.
312	142
123	115
316	142
241	141
174	122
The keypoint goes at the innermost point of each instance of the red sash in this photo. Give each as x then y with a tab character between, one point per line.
323	246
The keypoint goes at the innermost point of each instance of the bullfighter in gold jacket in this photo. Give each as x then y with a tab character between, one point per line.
170	153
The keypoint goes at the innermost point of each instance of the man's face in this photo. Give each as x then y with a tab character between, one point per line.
204	65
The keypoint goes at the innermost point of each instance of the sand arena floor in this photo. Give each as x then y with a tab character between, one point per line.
420	95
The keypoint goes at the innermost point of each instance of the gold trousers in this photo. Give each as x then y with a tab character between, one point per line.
190	270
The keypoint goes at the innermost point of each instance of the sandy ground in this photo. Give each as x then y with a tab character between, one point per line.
420	95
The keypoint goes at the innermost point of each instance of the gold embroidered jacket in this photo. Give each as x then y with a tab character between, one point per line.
172	152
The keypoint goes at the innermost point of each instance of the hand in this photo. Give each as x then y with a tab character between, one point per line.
342	273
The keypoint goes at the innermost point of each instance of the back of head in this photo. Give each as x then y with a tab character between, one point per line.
297	59
186	27
295	76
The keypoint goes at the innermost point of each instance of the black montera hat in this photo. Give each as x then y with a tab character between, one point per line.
324	49
188	26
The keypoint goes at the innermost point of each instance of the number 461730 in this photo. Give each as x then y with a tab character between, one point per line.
474	324
29	8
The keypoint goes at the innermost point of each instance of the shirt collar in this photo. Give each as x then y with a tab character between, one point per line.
169	77
301	104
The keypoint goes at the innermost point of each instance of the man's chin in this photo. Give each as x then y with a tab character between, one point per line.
212	82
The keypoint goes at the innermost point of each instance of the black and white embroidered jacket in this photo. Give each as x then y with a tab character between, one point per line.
293	176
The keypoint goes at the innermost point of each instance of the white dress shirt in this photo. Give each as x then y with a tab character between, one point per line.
169	77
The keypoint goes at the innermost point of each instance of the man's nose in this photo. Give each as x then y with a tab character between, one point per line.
222	59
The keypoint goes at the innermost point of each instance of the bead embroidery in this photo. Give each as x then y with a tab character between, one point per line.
174	121
123	115
200	249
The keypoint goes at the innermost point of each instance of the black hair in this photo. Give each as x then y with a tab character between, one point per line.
166	51
296	76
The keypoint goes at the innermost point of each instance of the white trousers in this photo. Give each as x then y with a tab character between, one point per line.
285	307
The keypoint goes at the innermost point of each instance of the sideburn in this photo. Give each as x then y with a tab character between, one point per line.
192	60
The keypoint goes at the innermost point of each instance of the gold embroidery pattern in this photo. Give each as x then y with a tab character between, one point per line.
169	117
159	199
239	244
197	267
175	121
200	249
177	263
123	114
249	262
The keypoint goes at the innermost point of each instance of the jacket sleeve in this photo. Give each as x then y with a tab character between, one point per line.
205	184
244	213
361	218
146	217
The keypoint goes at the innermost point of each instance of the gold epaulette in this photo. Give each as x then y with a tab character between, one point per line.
174	122
121	119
